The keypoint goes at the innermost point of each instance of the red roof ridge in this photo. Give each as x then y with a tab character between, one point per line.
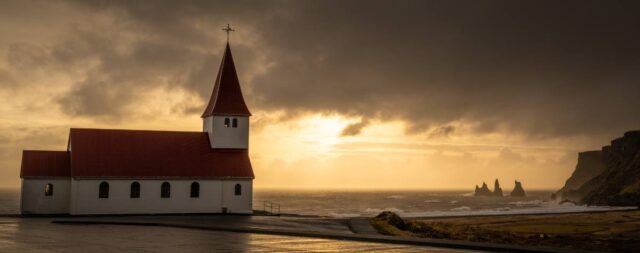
42	150
135	130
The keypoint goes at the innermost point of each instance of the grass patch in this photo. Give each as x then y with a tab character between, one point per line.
607	231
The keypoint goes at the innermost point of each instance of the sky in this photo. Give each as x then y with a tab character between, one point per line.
374	95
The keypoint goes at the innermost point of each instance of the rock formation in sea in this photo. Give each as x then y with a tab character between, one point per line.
484	191
518	191
497	191
619	182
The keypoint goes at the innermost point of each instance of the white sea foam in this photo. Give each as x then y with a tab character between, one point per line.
461	209
344	215
432	201
453	202
396	197
390	209
527	203
469	194
547	208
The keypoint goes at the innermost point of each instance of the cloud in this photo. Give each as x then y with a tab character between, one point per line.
511	67
355	128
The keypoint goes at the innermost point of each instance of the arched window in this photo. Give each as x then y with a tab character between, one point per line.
235	123
165	190
48	190
195	190
103	192
226	122
238	190
135	190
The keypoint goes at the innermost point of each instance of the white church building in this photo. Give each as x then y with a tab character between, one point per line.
109	171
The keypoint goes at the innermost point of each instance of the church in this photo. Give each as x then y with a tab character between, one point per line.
112	171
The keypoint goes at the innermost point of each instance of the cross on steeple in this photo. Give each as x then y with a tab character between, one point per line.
228	30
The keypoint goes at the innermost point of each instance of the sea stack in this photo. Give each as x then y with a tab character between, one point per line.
518	191
497	191
484	191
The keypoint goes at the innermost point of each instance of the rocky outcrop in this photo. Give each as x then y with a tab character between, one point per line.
619	182
497	191
484	191
590	164
518	191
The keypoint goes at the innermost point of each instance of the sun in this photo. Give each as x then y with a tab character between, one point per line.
323	131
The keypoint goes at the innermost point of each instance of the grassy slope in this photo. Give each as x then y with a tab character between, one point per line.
610	231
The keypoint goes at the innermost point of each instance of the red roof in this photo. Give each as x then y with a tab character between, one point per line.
136	153
226	98
44	164
139	154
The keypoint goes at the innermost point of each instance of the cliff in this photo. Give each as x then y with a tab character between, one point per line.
619	182
518	191
590	164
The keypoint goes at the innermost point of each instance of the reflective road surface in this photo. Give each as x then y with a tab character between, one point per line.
39	235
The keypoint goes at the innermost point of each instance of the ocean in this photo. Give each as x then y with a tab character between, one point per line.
344	204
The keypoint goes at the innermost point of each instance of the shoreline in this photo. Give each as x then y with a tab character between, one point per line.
629	209
492	213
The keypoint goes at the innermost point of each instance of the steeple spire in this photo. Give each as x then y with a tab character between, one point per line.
226	98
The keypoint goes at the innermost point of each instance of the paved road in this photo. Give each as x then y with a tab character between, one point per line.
39	235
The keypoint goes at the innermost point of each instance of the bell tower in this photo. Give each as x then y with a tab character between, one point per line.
226	118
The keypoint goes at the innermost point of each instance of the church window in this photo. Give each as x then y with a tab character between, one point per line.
195	190
226	122
103	192
165	190
238	190
48	190
135	190
235	123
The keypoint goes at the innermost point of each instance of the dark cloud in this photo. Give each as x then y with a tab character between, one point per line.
442	131
355	128
539	68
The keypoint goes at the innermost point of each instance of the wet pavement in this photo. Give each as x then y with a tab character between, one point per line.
40	235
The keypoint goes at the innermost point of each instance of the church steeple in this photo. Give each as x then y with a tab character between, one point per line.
226	98
226	118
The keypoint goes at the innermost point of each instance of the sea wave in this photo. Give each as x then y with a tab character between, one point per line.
461	209
527	203
432	201
344	215
377	210
395	197
468	194
546	209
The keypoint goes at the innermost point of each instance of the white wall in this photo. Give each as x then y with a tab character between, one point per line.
85	197
234	203
227	137
33	200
